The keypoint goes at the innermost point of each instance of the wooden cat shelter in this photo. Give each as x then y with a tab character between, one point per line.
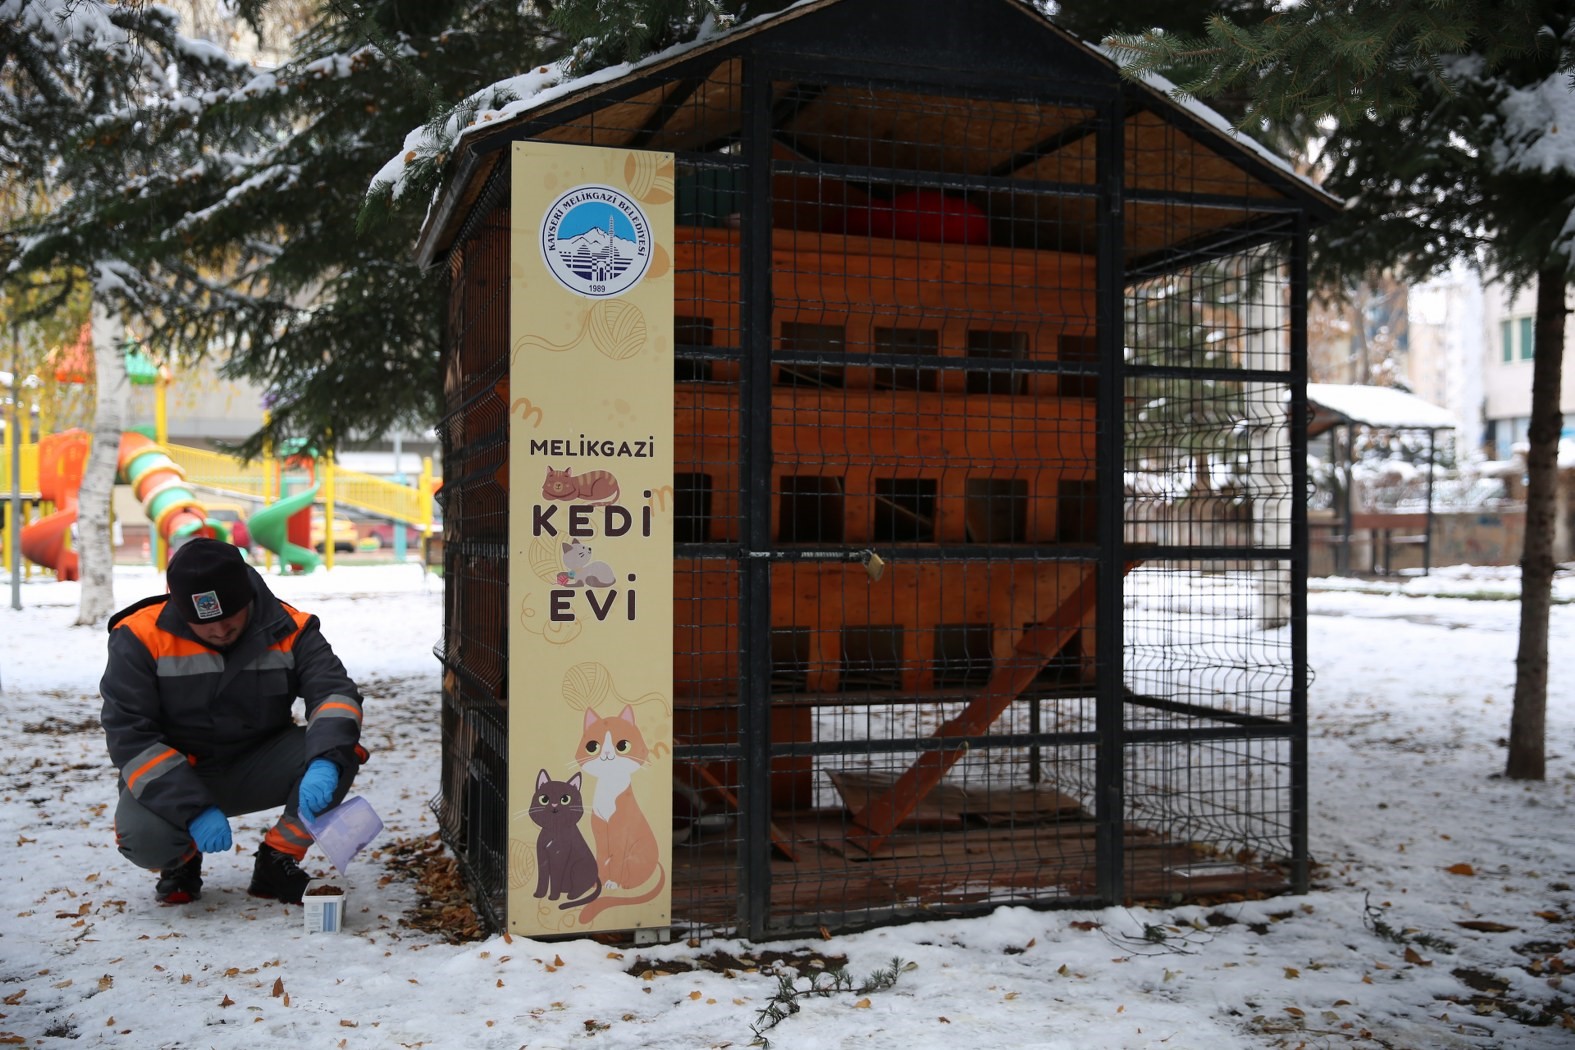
955	308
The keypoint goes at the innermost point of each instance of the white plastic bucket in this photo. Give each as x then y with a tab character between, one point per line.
344	831
325	912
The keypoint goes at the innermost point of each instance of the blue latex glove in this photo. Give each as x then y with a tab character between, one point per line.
211	830
317	787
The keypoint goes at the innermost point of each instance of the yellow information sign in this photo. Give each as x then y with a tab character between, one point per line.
590	539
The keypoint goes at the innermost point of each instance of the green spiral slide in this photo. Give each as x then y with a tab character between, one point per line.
270	530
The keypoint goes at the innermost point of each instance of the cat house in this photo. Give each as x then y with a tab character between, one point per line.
988	447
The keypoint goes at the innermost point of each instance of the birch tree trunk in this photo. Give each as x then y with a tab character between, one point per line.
94	553
1528	719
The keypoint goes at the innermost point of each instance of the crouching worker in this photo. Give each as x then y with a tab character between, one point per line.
197	697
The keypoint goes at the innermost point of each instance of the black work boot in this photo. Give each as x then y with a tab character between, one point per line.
278	876
181	884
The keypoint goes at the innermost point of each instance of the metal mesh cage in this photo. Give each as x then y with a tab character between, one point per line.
988	583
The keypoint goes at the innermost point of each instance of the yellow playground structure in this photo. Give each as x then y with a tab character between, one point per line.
199	475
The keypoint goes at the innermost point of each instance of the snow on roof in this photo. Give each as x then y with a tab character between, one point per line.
1212	117
544	84
1379	406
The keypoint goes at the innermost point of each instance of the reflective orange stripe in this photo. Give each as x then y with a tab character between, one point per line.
131	780
144	624
280	842
342	707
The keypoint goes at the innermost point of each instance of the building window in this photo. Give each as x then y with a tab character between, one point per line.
828	339
1517	336
789	659
1503	434
691	508
997	346
871	657
691	334
810	509
913	342
995	510
962	655
904	510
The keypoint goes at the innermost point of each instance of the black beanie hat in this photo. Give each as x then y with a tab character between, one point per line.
208	580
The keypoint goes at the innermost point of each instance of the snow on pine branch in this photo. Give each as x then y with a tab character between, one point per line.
428	148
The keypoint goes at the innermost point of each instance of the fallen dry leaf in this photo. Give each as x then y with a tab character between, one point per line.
278	987
862	1004
1415	959
1292	973
1295	1011
1461	869
227	1001
1485	926
14	997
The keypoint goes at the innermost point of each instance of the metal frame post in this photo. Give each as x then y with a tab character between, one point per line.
1300	860
1110	413
754	723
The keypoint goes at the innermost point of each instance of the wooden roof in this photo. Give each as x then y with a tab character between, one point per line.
1011	103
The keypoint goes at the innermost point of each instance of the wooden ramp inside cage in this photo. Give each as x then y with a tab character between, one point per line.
883	812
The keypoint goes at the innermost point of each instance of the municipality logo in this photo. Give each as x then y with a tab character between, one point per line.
596	241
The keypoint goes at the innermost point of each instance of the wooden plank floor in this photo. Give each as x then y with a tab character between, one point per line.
927	867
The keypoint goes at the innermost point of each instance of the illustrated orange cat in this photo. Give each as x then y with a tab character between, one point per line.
612	750
594	486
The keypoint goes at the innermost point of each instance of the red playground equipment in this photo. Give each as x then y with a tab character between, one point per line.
158	482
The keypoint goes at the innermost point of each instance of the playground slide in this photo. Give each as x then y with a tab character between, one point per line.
159	484
270	529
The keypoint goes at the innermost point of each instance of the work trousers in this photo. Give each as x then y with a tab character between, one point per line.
267	776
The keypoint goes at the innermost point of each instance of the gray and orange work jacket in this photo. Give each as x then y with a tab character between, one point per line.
171	703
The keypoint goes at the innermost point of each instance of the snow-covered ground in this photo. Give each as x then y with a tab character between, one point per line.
1444	906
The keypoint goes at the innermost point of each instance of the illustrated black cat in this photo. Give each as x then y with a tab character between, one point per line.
565	863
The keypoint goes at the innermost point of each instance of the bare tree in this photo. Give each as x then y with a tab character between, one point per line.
94	551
